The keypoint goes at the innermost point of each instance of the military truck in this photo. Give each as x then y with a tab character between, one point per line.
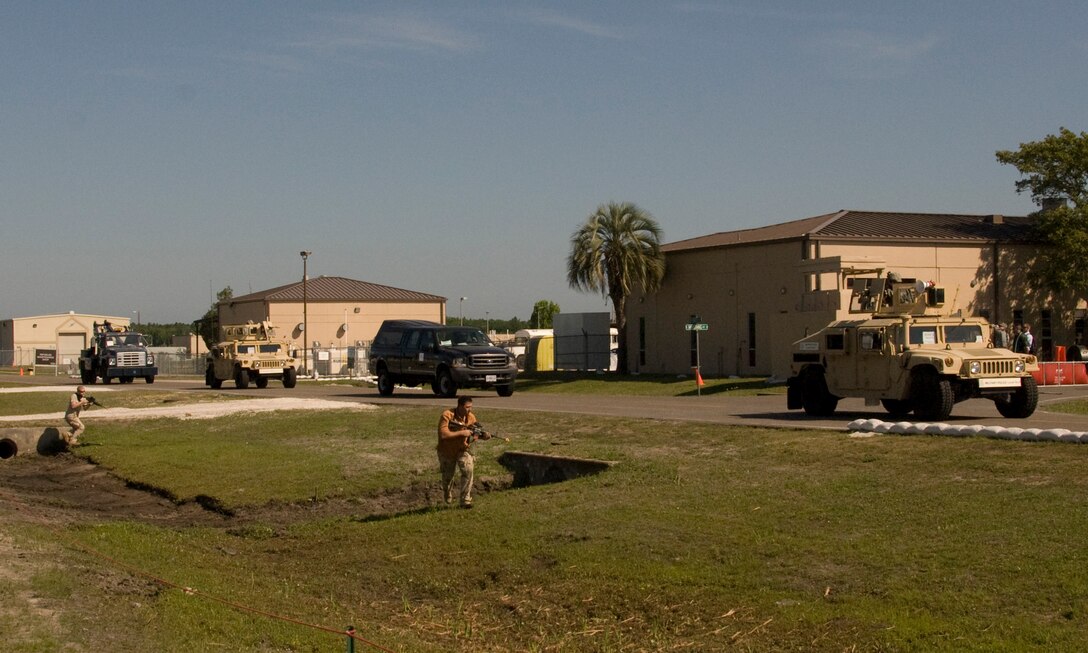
250	352
905	352
116	353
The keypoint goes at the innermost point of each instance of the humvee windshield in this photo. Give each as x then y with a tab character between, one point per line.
447	337
957	334
270	349
971	333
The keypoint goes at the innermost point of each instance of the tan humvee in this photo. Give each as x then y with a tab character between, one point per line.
903	352
250	352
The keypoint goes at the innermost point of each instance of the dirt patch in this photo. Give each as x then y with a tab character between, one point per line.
67	489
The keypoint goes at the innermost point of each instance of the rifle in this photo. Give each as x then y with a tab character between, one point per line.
478	431
94	402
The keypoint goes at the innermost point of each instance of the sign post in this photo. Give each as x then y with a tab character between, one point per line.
697	326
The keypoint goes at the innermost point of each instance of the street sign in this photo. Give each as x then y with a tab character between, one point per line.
699	326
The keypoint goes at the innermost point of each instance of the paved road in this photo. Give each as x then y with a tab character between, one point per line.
761	410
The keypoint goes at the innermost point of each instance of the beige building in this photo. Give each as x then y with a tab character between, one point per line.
337	312
26	341
759	290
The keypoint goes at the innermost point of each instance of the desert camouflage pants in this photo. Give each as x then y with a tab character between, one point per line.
451	466
76	424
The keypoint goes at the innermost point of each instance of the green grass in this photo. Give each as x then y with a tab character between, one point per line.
1073	406
703	537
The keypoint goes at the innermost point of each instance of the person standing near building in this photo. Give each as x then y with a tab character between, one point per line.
1000	337
455	437
76	403
1024	343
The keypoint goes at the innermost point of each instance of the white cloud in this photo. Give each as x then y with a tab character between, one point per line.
865	54
373	32
551	19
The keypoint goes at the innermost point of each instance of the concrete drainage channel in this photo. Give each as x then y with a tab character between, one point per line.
34	439
539	469
527	468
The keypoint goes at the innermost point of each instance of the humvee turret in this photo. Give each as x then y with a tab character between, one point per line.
250	352
905	352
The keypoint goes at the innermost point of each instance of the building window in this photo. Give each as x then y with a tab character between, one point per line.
751	339
641	341
1046	334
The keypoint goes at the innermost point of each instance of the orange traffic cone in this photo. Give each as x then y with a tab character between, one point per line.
20	371
698	378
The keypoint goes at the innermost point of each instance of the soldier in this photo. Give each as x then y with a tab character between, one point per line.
76	403
454	453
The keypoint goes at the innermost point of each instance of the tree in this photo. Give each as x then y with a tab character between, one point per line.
208	326
616	250
1055	172
543	313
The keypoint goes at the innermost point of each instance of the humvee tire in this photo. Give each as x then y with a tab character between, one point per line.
290	377
897	407
818	401
1022	403
932	396
241	378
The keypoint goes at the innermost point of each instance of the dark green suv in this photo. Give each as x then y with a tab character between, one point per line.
415	352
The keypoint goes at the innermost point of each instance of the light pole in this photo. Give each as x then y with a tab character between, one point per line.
487	322
137	312
461	310
305	318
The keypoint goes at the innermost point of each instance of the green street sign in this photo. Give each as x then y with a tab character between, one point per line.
699	326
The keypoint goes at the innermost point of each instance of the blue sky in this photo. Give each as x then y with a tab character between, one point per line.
157	152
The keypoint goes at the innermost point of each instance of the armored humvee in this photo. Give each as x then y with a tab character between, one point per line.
116	353
903	352
250	352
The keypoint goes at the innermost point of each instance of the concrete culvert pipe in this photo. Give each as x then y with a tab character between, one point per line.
35	439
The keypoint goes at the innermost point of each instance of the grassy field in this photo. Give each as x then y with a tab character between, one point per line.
702	537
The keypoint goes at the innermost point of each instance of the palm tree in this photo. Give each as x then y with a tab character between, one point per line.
616	250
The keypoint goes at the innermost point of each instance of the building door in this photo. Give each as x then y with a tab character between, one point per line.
69	347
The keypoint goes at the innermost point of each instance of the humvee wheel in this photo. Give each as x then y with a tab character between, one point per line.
446	386
241	378
1022	403
385	383
897	407
932	396
261	381
815	397
211	380
290	377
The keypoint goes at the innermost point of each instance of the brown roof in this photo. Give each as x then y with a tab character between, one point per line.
873	225
338	289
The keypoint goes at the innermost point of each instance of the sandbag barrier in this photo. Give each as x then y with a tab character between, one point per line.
963	430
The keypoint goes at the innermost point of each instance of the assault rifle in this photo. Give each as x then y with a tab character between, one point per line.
478	431
94	402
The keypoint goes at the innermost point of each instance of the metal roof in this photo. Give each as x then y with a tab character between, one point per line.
873	225
338	289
